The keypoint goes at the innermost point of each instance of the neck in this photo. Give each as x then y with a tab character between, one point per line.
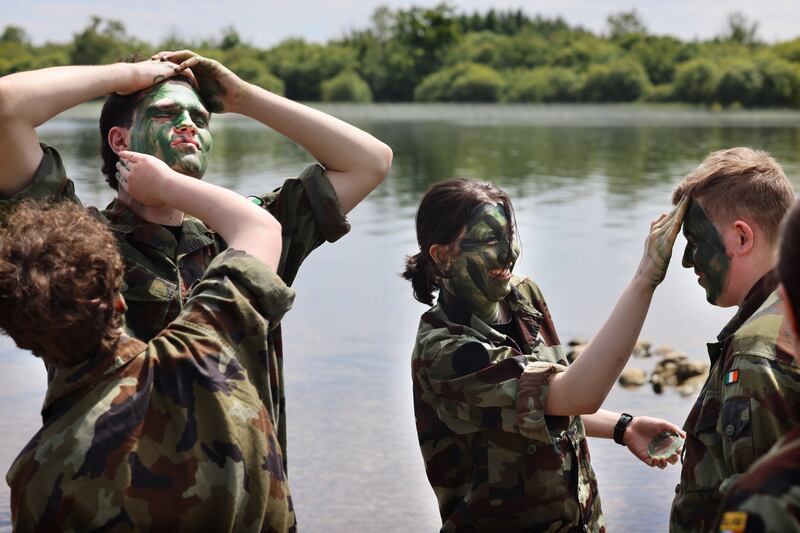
488	312
157	214
755	272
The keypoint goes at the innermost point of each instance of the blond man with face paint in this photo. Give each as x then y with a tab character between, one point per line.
767	497
751	397
162	107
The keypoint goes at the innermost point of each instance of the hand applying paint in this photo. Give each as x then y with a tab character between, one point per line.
658	249
220	89
144	74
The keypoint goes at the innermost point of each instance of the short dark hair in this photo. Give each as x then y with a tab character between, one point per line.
118	111
789	259
60	276
442	215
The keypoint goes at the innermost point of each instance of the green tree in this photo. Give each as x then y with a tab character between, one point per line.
740	81
304	66
624	23
465	82
96	45
696	81
781	85
740	29
14	34
660	55
253	70
346	86
624	80
543	84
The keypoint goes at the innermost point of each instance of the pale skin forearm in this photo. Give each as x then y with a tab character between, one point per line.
600	424
587	382
355	161
242	224
29	99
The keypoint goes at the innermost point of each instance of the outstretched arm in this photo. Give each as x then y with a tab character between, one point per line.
242	224
597	368
29	99
355	161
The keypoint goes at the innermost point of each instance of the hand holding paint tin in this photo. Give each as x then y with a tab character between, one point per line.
658	249
219	88
665	446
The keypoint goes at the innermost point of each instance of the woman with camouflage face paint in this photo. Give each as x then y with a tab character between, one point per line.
502	417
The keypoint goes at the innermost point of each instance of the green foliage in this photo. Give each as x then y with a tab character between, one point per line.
95	46
740	29
464	82
251	69
624	80
790	50
14	34
696	81
660	55
303	66
544	84
740	81
624	23
346	86
781	85
583	51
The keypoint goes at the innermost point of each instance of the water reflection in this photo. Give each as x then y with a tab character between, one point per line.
585	180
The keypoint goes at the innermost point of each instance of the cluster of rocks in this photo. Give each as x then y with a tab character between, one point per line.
673	369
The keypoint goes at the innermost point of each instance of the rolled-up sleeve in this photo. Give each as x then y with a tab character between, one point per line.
508	394
49	182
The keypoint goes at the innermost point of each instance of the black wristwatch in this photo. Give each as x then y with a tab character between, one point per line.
622	424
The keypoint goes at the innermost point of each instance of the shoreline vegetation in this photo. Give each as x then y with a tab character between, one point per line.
438	54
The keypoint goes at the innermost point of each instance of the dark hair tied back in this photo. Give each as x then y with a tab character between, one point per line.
789	260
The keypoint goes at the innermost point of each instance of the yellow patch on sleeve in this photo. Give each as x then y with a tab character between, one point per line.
733	522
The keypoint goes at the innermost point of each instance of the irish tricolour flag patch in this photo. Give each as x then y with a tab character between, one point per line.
731	377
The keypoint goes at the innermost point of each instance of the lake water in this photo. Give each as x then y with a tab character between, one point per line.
585	181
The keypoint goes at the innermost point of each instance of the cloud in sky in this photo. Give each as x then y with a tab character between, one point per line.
265	23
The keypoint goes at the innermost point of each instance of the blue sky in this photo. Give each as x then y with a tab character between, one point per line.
265	23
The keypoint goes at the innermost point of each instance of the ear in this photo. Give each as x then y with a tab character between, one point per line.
119	138
440	253
788	311
741	238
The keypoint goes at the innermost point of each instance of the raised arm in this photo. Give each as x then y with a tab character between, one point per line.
595	371
29	99
242	224
355	161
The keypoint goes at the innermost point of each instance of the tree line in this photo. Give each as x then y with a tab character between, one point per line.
437	54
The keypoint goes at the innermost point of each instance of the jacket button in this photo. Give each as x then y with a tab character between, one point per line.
531	447
729	429
678	488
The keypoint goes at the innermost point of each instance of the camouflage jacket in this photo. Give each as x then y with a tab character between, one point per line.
767	498
750	399
171	435
494	459
160	270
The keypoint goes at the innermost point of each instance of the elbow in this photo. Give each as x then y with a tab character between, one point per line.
381	163
6	94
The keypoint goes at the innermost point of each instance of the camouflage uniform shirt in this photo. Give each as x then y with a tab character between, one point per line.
170	435
160	270
494	459
767	497
750	399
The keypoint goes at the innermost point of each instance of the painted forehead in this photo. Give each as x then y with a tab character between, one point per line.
493	216
696	221
177	92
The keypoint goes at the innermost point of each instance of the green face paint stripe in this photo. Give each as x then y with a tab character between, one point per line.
705	250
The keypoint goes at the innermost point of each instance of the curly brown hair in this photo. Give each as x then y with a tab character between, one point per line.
60	276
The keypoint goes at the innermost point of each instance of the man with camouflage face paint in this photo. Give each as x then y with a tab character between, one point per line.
161	107
752	395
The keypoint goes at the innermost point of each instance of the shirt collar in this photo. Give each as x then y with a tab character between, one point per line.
755	297
521	310
194	234
66	381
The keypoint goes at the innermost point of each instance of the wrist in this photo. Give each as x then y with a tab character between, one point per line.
621	428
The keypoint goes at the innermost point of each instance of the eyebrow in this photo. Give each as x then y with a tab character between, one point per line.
167	104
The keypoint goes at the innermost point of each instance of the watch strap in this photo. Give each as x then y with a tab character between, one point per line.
619	429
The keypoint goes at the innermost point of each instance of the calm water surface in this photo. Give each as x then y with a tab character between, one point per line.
585	180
